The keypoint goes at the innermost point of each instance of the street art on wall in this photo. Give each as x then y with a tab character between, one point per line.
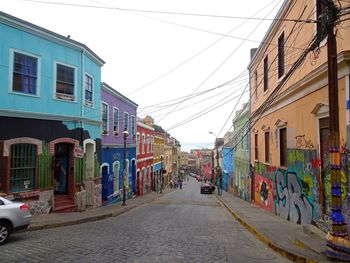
292	191
263	188
291	201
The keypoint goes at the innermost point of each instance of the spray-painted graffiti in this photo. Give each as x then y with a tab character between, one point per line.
263	188
294	191
291	203
303	143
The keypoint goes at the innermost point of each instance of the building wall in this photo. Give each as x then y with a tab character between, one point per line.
46	119
228	168
145	177
113	146
242	176
298	190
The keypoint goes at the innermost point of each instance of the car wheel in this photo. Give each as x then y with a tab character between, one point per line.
4	232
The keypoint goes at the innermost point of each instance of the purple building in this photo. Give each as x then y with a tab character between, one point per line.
118	117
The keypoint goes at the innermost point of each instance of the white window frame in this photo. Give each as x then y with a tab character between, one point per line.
148	149
143	142
87	102
128	122
11	68
55	82
133	125
105	103
116	132
138	143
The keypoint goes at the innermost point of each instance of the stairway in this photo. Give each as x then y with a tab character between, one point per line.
64	203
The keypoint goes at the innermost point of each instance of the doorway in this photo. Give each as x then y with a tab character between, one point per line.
61	164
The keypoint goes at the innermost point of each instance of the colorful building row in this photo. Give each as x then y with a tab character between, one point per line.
68	141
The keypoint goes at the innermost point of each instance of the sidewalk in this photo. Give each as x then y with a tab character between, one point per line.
297	242
71	218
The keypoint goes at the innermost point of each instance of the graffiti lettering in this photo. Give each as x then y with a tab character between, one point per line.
303	143
296	156
291	203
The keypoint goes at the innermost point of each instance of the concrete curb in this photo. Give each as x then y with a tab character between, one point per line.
285	253
94	218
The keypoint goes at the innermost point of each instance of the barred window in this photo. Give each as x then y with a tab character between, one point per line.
22	167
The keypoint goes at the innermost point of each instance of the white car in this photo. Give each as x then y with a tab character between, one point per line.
14	216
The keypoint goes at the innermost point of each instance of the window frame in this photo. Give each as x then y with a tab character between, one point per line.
281	56
61	97
266	73
107	121
116	131
138	143
267	147
87	102
34	168
256	85
126	123
11	69
133	125
283	152
143	143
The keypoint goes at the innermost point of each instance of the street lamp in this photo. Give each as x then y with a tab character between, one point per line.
161	174
125	136
217	164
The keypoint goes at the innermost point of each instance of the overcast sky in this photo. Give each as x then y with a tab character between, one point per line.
156	58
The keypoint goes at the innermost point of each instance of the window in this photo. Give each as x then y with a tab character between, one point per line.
138	143
116	172
22	167
143	143
267	147
256	157
126	121
281	56
88	90
256	85
133	126
25	74
116	121
104	118
148	144
152	144
266	74
283	147
65	82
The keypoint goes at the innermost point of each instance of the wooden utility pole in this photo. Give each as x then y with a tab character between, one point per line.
337	238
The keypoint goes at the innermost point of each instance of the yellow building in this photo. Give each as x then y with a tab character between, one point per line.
158	161
290	116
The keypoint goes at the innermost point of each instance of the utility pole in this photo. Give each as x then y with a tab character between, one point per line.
337	241
219	174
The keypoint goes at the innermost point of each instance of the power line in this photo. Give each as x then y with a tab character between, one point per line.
198	53
217	68
168	12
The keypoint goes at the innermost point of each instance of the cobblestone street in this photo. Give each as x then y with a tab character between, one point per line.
182	226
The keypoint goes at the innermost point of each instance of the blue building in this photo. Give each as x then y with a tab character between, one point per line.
227	162
50	118
118	124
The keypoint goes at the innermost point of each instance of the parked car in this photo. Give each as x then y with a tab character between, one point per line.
14	216
207	188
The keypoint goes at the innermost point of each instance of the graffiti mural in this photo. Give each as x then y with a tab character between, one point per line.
263	188
291	201
291	192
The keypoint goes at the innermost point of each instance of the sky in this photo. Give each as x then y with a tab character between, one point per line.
189	71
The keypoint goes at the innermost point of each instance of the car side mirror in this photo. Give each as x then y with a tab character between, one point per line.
1	202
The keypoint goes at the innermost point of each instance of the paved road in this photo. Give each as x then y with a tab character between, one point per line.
183	226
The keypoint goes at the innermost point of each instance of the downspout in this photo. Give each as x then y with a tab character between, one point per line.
82	94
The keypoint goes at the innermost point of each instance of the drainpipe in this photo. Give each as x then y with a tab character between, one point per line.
82	93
